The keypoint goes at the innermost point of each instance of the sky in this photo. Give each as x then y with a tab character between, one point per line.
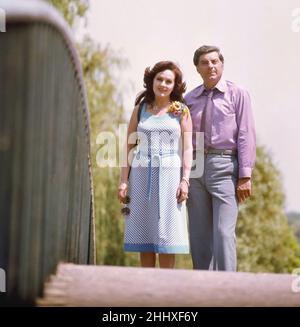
260	40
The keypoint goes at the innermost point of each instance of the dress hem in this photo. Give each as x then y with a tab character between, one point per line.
179	249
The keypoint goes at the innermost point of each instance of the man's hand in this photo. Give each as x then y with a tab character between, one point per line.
243	189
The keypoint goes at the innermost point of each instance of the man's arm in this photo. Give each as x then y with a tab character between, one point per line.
246	144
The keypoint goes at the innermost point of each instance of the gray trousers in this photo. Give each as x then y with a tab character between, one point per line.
213	209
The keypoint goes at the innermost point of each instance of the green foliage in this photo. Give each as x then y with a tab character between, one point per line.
106	111
105	100
294	222
265	241
100	65
71	9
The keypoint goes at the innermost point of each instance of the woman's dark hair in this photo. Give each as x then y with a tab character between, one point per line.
148	94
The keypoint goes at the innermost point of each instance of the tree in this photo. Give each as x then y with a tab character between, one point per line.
265	241
106	109
294	222
99	66
71	9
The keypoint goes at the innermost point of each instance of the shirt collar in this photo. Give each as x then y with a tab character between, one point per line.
221	86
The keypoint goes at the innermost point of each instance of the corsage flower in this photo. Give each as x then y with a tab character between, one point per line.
178	109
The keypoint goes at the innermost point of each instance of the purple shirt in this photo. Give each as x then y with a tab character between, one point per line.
232	121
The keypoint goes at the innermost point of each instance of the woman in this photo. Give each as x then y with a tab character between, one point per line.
159	176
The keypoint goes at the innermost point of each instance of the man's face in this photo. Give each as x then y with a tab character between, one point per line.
210	67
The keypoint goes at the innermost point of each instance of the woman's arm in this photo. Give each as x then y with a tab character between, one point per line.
132	127
187	155
187	149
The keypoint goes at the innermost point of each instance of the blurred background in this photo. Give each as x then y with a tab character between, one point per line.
260	41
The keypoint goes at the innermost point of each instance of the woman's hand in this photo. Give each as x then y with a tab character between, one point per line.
122	192
182	191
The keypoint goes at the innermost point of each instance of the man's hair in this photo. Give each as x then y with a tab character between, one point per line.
206	49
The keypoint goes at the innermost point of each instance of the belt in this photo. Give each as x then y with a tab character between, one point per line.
221	152
153	156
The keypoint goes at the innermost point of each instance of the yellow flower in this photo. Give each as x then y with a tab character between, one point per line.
178	109
177	105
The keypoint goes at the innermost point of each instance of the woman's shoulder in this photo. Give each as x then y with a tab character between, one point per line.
142	111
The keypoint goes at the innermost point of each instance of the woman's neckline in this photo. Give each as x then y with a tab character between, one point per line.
153	115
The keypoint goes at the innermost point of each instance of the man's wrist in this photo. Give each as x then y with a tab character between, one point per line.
244	178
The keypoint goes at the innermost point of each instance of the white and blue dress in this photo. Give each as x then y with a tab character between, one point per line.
156	222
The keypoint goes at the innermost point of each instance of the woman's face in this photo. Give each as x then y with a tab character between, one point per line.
163	83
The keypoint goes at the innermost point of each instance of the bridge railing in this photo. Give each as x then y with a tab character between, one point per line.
46	194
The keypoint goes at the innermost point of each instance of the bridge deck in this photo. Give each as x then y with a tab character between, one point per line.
77	285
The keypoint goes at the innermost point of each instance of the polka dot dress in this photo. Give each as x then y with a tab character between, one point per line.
156	222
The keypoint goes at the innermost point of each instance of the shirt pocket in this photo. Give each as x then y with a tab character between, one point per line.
225	106
225	124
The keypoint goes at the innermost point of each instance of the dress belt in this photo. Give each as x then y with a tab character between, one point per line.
153	156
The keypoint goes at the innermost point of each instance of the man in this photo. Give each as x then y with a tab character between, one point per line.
221	110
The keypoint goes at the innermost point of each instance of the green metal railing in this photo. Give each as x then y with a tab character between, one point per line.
46	197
